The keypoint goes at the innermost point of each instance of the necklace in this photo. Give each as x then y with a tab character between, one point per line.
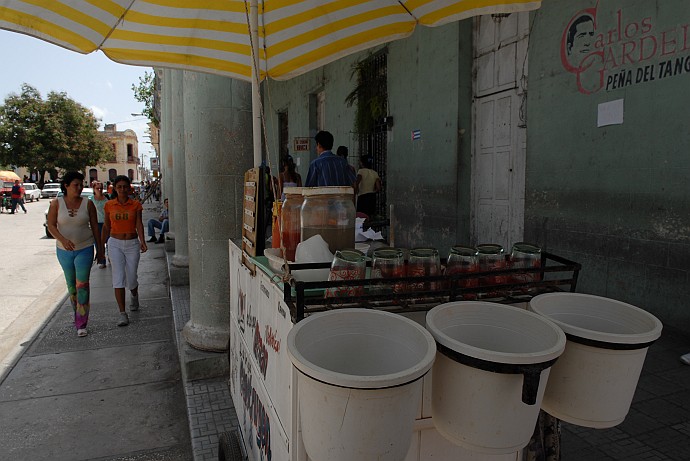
73	208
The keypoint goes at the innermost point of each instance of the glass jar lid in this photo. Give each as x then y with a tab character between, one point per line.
331	190
462	250
528	248
424	252
350	255
388	253
293	190
490	249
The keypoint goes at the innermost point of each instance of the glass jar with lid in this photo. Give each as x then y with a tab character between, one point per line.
388	263
462	260
491	257
348	264
290	219
423	262
525	256
329	212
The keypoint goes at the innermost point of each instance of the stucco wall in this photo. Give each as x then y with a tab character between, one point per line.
293	96
429	89
615	198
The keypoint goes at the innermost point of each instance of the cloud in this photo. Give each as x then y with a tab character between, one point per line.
98	112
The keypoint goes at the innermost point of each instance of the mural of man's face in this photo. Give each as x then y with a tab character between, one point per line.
582	37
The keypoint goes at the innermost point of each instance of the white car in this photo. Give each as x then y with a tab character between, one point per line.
31	192
50	190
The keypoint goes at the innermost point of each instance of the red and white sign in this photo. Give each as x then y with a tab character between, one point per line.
301	145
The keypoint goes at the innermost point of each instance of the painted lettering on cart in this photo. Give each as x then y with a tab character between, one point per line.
272	339
260	351
250	318
265	291
241	306
257	413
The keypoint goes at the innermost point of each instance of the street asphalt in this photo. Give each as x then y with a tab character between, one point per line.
119	394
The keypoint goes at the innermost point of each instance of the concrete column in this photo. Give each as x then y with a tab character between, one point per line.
181	257
166	147
218	151
163	134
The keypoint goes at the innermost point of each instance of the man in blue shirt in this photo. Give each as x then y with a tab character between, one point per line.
328	169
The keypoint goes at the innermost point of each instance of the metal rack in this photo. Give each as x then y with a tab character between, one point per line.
304	298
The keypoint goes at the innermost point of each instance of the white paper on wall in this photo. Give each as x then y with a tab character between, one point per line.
610	113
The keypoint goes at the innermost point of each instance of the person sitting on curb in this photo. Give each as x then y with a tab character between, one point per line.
160	223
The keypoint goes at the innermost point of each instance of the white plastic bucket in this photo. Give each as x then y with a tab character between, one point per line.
490	373
359	382
593	382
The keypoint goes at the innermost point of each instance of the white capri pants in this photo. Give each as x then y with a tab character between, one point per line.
124	261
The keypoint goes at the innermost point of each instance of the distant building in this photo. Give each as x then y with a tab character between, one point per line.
124	159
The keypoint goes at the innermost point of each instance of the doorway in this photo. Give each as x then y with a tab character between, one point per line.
499	131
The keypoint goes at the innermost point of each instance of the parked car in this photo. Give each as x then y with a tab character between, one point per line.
31	192
50	190
86	192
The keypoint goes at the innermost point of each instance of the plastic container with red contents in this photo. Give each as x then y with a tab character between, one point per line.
290	216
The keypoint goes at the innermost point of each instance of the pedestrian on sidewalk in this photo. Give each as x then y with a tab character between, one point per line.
17	197
72	220
160	223
123	231
99	200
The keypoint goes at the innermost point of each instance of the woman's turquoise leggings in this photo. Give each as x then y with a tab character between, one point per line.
77	268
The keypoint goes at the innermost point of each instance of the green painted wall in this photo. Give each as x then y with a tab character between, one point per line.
429	89
615	198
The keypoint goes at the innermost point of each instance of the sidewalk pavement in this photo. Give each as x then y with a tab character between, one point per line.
121	393
115	394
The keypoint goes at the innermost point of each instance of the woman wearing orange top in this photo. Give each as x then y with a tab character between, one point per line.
123	230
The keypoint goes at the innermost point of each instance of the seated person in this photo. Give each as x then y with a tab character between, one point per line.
160	223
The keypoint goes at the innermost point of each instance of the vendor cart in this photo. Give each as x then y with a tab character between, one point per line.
5	196
266	304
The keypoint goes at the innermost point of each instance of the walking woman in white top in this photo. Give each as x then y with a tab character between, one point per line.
73	222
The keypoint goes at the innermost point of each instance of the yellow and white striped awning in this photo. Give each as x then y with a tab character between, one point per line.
295	36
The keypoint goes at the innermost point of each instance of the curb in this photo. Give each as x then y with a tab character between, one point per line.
10	361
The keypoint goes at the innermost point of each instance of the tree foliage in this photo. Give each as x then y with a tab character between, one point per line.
44	135
369	94
145	93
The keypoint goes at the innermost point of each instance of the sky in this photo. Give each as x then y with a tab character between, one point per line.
92	80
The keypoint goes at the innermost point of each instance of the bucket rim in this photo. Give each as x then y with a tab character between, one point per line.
513	358
643	339
338	379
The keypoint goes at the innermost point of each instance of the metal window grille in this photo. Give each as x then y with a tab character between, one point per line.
374	74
